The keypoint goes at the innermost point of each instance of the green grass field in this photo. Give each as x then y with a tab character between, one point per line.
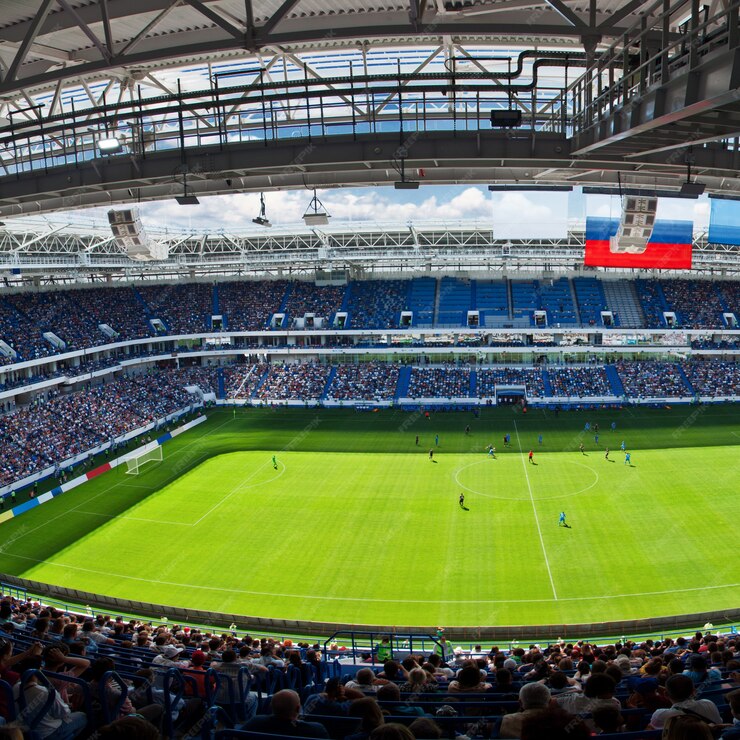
357	525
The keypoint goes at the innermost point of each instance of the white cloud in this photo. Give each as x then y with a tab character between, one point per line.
287	207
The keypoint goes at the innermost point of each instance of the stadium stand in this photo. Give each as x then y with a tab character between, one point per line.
696	304
653	303
116	307
591	300
492	301
524	301
377	304
556	298
75	316
303	382
247	306
455	300
713	378
579	382
32	314
652	379
49	432
182	308
623	689
241	381
307	298
371	381
489	378
420	300
439	382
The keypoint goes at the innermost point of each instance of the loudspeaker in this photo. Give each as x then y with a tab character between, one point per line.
506	118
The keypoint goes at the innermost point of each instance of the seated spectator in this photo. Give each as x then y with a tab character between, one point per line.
647	694
129	728
333	701
366	681
57	659
733	732
419	682
681	691
608	720
598	692
699	672
286	708
533	698
389	698
368	711
685	727
468	681
391	731
59	722
425	728
553	724
185	713
111	691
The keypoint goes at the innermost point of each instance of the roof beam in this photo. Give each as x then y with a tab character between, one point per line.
567	14
28	39
278	16
619	15
214	17
86	30
106	25
149	26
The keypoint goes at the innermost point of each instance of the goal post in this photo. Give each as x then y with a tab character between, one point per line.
136	461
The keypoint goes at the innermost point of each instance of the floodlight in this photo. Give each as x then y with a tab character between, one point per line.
692	189
109	144
187	200
316	215
262	219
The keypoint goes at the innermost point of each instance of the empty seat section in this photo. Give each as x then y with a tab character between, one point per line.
524	299
557	300
454	302
591	300
492	301
422	292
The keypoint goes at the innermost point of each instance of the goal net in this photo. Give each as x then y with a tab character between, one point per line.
136	462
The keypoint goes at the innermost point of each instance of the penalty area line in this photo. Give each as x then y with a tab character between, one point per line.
534	509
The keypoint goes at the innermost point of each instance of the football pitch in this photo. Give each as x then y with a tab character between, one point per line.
355	523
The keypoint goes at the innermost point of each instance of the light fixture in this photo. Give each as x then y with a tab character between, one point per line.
638	192
262	219
506	118
186	199
109	144
691	189
316	215
403	183
531	188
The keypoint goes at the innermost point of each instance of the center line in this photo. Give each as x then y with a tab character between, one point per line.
534	509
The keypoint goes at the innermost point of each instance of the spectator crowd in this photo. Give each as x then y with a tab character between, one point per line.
130	678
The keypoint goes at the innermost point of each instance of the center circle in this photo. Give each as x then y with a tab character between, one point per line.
489	477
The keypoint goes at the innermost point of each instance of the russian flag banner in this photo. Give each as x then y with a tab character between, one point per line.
669	247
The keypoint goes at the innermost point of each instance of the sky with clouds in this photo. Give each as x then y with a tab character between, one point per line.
511	215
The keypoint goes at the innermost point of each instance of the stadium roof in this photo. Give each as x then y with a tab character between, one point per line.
44	41
224	96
